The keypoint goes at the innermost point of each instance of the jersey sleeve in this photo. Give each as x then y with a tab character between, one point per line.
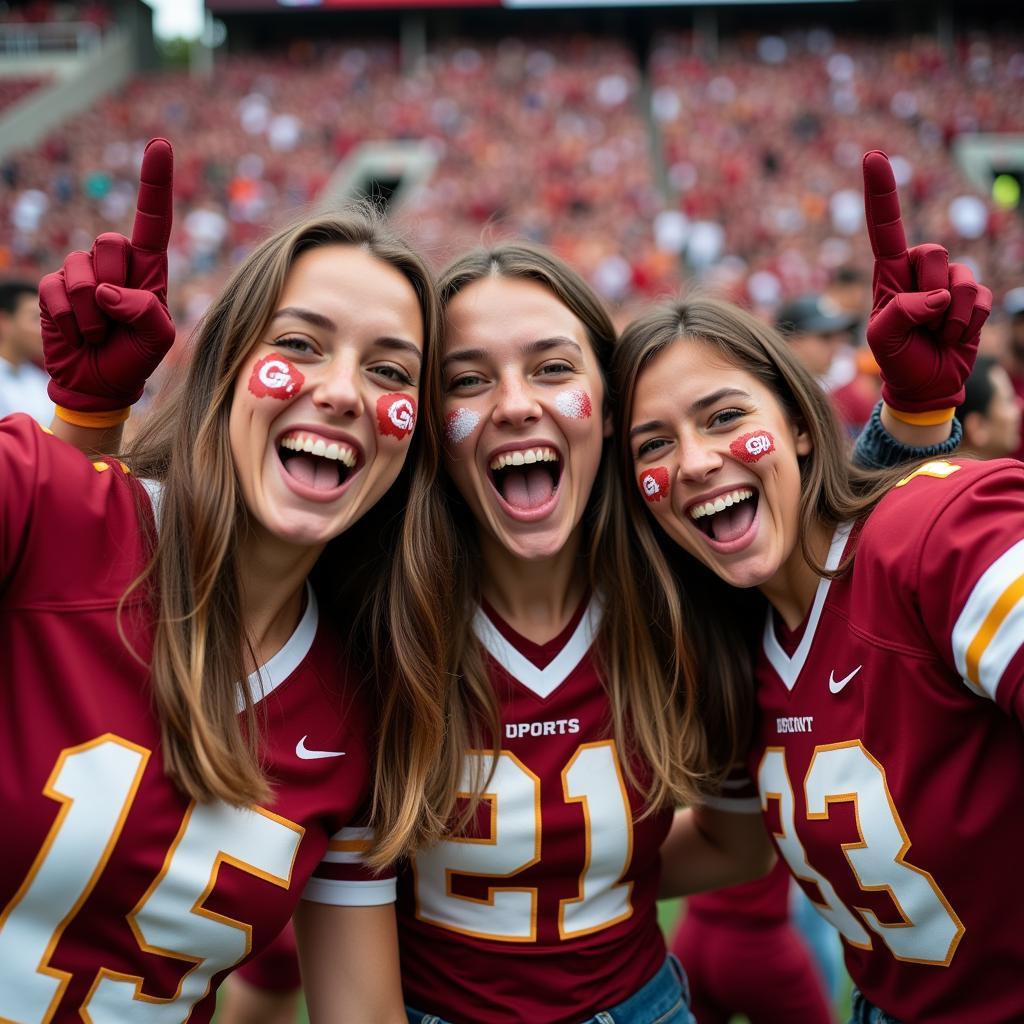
736	795
343	879
20	469
971	583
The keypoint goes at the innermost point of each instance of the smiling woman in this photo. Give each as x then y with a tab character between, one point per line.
173	634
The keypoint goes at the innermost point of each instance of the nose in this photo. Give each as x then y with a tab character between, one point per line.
699	458
338	393
516	405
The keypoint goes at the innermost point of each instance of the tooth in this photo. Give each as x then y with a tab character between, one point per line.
307	444
319	446
719	505
728	500
332	451
530	457
518	459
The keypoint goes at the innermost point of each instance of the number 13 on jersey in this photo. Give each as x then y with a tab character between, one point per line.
593	779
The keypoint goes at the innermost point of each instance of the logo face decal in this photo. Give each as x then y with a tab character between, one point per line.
838	685
396	415
459	424
654	483
275	377
305	754
754	446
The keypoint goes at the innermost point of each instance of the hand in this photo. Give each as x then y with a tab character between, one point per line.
104	315
926	314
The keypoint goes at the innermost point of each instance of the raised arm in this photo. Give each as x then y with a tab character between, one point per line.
104	316
924	328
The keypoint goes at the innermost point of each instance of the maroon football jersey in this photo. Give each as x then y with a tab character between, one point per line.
545	912
120	899
891	758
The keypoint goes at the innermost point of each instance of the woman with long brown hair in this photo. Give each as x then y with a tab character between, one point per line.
574	716
190	741
880	615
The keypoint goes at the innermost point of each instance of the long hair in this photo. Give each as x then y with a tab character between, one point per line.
708	623
651	716
200	643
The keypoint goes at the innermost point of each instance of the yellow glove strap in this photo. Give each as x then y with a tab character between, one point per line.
93	419
932	418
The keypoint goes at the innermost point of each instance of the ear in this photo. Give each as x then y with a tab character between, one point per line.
802	438
976	431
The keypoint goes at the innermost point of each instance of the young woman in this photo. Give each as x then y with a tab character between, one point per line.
541	904
190	750
884	621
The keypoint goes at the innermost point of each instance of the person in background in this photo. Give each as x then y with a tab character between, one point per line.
22	382
1013	360
990	412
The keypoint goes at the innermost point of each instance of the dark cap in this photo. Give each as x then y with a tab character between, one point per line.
813	314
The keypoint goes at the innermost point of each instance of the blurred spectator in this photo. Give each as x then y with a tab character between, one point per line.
814	326
22	382
1013	306
990	412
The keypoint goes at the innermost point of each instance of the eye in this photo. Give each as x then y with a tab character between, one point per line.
393	373
293	343
466	381
650	446
557	368
724	417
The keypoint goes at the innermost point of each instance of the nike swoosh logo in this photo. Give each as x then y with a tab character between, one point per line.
837	685
302	751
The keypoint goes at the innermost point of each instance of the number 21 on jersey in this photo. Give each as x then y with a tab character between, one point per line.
593	779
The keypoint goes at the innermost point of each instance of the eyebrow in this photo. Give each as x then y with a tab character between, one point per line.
697	406
470	355
327	324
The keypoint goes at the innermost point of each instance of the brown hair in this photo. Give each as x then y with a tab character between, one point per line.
652	715
200	642
708	622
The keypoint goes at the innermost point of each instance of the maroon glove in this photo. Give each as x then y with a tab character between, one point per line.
104	316
926	314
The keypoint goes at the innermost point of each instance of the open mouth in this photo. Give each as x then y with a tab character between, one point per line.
726	517
526	479
316	462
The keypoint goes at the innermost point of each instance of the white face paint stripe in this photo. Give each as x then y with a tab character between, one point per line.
459	424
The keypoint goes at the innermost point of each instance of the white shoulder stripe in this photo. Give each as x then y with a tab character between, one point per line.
269	676
542	681
990	629
351	832
371	893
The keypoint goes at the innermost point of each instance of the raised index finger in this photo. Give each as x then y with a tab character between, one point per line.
152	228
885	224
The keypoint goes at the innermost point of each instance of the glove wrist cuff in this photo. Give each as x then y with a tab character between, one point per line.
930	418
107	418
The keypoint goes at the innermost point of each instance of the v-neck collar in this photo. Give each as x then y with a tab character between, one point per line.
789	668
540	681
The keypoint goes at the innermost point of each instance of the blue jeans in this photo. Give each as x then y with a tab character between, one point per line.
665	999
865	1012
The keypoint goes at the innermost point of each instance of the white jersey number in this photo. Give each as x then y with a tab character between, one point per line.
593	779
96	784
846	772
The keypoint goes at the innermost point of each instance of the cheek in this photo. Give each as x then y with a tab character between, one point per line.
396	416
275	377
654	484
459	424
753	447
574	405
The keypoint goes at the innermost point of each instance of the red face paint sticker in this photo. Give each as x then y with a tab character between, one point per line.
654	483
274	377
396	415
753	446
574	405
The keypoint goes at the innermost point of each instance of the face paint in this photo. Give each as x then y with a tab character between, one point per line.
396	415
754	446
275	377
573	405
459	424
654	483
